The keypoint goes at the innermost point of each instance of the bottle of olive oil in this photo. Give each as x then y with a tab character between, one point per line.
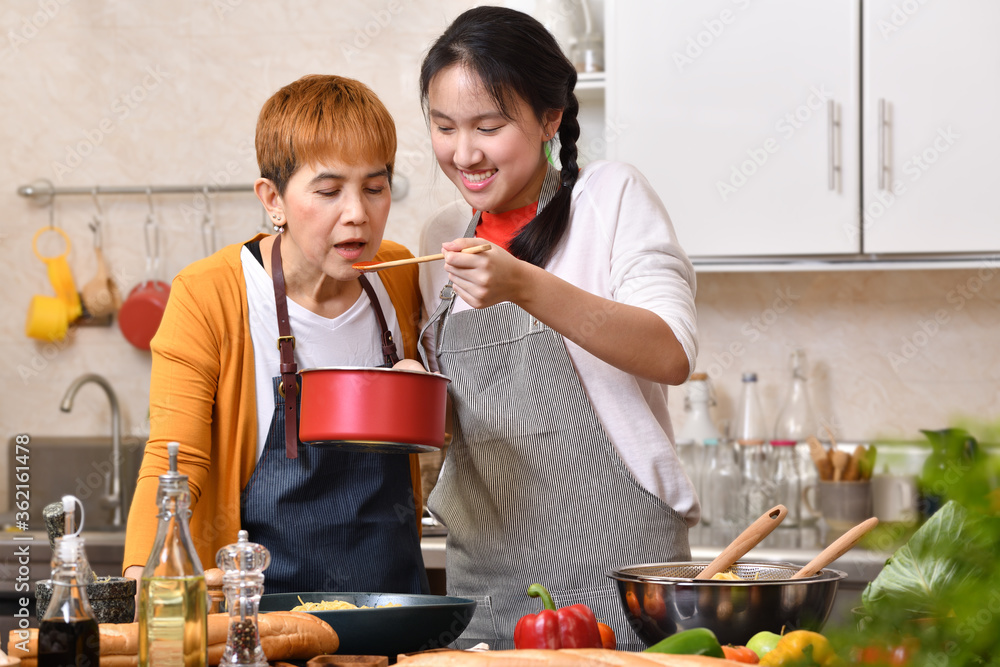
173	598
68	635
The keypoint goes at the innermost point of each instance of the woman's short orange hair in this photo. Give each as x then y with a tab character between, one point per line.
322	117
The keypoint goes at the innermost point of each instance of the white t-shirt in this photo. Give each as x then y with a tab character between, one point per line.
620	245
350	339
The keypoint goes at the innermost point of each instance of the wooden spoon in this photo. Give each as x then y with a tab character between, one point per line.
837	548
100	295
368	267
746	541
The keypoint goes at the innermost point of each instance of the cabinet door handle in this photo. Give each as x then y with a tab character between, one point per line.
884	145
833	143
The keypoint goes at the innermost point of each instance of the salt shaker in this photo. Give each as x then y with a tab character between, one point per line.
243	564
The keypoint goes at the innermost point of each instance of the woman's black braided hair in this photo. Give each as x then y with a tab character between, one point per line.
515	56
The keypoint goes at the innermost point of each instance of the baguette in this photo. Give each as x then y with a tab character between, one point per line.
284	635
582	657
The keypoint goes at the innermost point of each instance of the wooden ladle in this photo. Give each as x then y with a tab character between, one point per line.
100	295
837	548
746	541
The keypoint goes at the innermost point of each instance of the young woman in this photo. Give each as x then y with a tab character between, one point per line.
560	341
224	360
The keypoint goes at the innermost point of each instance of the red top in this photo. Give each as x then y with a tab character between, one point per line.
501	228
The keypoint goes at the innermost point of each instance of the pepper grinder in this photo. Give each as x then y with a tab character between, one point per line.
243	564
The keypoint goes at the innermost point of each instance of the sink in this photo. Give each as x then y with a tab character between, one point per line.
79	466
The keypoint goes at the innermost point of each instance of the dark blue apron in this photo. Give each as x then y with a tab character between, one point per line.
333	520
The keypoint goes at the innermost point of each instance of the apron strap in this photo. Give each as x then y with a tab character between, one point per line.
550	186
388	347
286	346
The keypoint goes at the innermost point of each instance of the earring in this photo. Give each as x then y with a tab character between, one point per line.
278	228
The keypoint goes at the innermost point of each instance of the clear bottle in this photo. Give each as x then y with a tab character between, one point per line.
795	423
698	428
787	480
721	504
173	600
68	635
750	432
243	583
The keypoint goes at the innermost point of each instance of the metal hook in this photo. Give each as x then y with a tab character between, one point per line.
208	226
152	247
95	226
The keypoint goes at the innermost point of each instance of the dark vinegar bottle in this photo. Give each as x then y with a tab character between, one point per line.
68	635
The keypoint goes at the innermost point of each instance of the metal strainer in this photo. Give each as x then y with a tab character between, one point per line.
660	599
747	572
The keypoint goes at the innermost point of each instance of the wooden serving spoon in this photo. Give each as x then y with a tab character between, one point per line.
368	267
837	548
746	541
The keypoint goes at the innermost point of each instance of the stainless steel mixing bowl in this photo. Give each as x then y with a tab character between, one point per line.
661	599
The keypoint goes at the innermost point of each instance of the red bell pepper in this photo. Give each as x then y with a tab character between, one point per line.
574	626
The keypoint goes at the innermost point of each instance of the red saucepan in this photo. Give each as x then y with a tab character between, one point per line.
373	409
139	317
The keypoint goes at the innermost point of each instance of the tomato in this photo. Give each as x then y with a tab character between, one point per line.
607	635
740	654
888	656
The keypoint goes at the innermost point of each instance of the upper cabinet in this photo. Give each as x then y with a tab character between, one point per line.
931	126
767	135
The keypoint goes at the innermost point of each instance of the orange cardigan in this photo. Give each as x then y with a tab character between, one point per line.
202	394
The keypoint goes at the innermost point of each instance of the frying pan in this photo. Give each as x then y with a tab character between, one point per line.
140	315
421	622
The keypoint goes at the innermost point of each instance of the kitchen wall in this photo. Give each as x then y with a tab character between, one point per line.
107	92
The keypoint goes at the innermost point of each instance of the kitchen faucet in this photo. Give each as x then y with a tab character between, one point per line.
113	487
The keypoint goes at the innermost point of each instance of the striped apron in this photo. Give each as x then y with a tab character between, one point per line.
333	520
532	488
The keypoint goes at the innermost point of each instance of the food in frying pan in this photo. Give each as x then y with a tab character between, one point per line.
335	605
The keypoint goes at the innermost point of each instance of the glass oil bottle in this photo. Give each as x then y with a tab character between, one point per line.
68	635
173	599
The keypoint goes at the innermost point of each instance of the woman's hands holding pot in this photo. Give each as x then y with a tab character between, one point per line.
486	278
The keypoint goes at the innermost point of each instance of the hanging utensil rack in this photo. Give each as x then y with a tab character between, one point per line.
43	191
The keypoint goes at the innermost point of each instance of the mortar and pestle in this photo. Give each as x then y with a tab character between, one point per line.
112	598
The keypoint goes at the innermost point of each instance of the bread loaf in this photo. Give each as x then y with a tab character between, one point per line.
284	635
579	657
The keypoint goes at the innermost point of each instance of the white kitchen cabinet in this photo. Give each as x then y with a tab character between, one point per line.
932	105
725	106
729	109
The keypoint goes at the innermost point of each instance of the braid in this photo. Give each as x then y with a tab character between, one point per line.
537	241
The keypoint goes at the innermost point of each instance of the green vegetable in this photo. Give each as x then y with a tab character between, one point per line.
918	577
762	642
696	641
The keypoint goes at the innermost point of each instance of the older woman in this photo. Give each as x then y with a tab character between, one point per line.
331	519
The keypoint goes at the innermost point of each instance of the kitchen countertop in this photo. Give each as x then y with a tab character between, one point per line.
104	548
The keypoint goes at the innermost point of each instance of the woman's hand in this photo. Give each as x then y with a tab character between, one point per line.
486	278
135	572
409	365
632	339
